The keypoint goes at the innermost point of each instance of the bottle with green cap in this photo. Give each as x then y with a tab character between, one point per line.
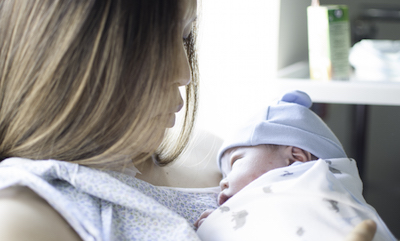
328	41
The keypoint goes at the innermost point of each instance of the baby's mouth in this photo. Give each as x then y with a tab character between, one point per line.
222	198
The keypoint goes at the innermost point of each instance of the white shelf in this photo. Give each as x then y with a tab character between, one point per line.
341	92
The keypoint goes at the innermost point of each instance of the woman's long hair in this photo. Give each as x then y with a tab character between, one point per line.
88	81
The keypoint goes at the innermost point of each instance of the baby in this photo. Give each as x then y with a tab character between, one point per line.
287	177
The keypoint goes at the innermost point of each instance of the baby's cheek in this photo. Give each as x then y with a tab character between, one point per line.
244	181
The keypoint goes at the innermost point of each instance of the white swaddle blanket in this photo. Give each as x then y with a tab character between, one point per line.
102	206
313	201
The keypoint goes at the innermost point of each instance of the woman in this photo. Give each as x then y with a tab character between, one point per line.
93	85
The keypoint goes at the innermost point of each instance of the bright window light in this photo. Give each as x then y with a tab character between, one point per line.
238	44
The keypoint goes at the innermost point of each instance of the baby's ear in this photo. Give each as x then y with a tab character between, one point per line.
300	154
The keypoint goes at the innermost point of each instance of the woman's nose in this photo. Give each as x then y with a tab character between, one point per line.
223	184
185	75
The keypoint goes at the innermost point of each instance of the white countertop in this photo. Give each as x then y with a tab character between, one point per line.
341	92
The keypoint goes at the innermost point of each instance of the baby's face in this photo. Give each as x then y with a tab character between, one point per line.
242	165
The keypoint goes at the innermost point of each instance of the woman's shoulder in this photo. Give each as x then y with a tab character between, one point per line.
24	215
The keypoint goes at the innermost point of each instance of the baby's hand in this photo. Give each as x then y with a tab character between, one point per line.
364	231
202	217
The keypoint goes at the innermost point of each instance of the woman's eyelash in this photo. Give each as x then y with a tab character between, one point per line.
187	36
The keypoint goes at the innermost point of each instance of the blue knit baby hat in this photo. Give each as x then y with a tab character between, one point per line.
290	122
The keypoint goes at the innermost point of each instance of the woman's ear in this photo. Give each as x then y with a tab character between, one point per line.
300	154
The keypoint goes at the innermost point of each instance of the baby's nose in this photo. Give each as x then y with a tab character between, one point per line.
223	184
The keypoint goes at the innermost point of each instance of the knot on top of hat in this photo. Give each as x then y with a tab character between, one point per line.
297	97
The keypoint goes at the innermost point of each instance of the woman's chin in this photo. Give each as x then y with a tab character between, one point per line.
171	121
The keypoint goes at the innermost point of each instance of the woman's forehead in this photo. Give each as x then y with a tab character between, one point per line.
190	9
